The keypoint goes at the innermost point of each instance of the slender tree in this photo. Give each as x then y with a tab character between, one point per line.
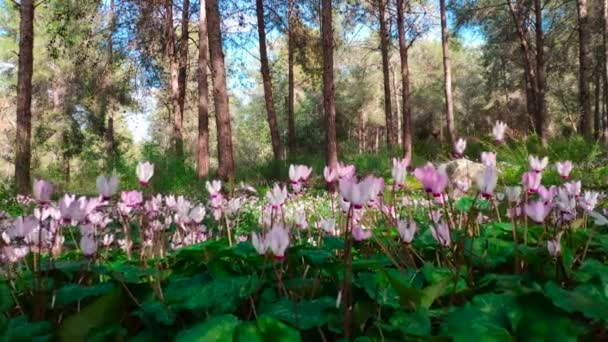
384	46
329	101
291	133
277	149
220	92
605	64
406	130
23	153
447	72
202	165
541	67
584	73
182	76
107	96
171	56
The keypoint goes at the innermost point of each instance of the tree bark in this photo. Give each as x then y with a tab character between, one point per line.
23	153
174	80
405	84
182	76
220	93
597	126
277	149
384	45
202	165
584	64
447	71
529	68
539	121
605	65
329	103
395	95
291	135
108	108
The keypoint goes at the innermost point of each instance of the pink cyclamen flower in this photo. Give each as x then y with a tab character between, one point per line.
537	164
441	234
345	171
513	193
406	230
88	245
144	171
277	196
589	200
43	191
433	181
564	168
554	246
487	182
328	225
573	188
459	147
277	241
360	234
531	181
537	210
399	171
488	158
330	175
214	187
498	131
107	187
131	198
259	243
547	195
357	193
299	173
22	227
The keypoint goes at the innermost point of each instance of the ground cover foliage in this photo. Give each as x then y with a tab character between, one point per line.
324	255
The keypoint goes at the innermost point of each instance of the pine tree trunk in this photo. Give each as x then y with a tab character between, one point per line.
395	95
405	84
384	45
539	122
171	57
584	95
182	77
277	149
605	66
597	126
220	93
447	71
291	136
23	153
202	165
109	131
329	104
529	69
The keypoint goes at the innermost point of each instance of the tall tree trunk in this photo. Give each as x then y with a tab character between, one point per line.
23	153
597	127
174	78
291	135
182	77
108	107
584	64
605	65
202	165
220	93
539	121
395	95
277	149
447	72
405	84
529	68
384	45
329	102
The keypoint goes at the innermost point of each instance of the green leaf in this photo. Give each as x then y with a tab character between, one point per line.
586	299
72	293
157	310
316	257
311	313
408	296
417	323
6	301
468	324
274	330
216	329
104	310
431	293
248	332
18	329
